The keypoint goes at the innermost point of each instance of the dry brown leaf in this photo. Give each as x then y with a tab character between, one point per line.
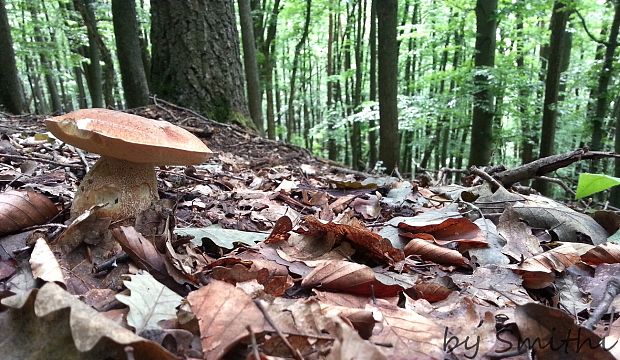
410	335
437	254
348	277
224	313
21	209
553	334
87	228
520	241
430	291
50	323
461	230
141	250
608	253
349	345
557	259
274	278
44	264
280	230
373	244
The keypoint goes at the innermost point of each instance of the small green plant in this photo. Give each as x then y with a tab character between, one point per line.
589	184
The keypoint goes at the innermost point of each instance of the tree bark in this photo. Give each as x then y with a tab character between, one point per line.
11	92
251	67
195	57
332	149
481	147
94	77
129	53
387	17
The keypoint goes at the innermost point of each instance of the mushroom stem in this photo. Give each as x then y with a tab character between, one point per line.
126	187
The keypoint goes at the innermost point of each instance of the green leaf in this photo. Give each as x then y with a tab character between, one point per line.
592	183
222	237
149	303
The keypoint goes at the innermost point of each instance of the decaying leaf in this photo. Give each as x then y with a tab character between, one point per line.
224	313
67	329
225	238
608	253
44	264
280	230
520	242
149	303
348	277
553	334
21	209
437	254
460	230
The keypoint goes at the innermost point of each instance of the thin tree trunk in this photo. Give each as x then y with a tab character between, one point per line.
251	67
332	149
11	92
601	96
129	53
482	118
372	95
559	19
94	76
387	17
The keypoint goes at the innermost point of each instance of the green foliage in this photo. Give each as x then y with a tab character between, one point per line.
593	183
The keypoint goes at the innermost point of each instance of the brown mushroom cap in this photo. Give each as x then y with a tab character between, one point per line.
128	137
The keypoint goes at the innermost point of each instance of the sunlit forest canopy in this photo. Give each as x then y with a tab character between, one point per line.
545	83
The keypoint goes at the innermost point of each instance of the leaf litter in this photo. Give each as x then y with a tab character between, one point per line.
268	251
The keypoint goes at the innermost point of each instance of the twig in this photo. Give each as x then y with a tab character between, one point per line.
254	344
19	157
43	226
611	291
294	351
111	263
83	158
488	178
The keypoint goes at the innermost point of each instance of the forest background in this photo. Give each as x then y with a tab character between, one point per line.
414	85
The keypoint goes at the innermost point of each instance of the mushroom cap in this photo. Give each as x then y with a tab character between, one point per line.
128	137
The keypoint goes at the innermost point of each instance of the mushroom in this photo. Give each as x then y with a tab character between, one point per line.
130	147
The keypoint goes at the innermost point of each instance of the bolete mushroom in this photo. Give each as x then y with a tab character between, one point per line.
130	147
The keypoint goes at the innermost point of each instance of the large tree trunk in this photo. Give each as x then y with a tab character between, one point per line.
251	67
600	95
482	119
11	92
559	18
196	61
387	17
129	53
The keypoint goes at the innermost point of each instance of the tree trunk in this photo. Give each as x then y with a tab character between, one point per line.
11	92
255	99
481	147
195	57
387	17
332	149
356	130
614	198
292	89
94	74
559	18
600	95
372	94
527	143
129	53
77	72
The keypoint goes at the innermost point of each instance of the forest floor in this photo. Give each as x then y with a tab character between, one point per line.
266	251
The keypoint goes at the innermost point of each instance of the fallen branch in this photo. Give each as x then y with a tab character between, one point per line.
549	164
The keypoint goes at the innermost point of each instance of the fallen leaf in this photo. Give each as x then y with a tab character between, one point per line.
149	303
21	209
225	238
67	329
280	230
520	241
430	252
224	313
44	264
608	253
348	277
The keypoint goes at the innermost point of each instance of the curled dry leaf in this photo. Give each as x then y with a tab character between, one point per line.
21	209
553	334
348	277
437	254
429	291
44	264
373	244
274	277
224	313
608	253
459	230
557	260
280	230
